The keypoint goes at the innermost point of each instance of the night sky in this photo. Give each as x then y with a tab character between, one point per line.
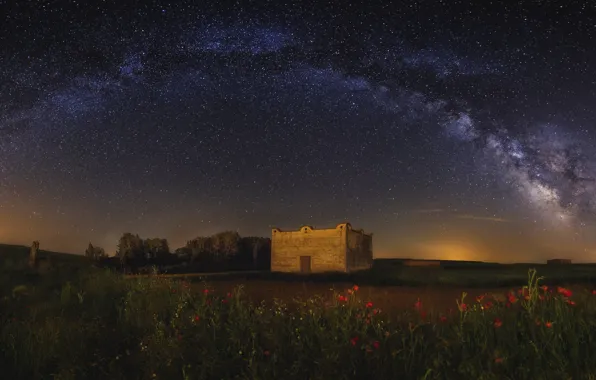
449	130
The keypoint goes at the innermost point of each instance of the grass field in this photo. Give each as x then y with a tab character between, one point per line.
77	322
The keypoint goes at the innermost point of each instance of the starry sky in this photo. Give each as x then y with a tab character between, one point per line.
449	129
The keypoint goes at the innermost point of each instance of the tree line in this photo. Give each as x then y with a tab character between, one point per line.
223	251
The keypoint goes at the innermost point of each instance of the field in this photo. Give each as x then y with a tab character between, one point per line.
78	322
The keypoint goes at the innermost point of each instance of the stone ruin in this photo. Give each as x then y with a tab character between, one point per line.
37	262
33	259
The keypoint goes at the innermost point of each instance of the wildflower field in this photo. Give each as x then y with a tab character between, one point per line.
93	324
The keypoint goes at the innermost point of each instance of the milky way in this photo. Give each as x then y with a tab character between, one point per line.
553	171
185	121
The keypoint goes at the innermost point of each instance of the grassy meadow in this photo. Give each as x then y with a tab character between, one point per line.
79	322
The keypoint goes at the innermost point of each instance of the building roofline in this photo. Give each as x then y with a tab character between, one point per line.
312	228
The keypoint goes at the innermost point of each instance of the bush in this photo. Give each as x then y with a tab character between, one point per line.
100	325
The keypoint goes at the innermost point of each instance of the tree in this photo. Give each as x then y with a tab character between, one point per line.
201	248
226	244
95	253
183	253
130	247
256	246
156	248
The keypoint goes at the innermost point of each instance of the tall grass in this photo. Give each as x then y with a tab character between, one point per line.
101	326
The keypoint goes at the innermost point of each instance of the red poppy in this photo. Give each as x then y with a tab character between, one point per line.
354	341
511	298
497	323
355	288
205	291
224	301
342	298
594	292
564	292
498	360
229	295
548	324
418	304
376	344
570	302
488	305
479	298
463	307
443	318
544	288
369	305
196	318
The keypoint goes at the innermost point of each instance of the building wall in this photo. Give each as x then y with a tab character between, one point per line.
326	247
359	250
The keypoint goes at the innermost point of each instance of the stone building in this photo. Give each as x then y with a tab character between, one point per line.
338	249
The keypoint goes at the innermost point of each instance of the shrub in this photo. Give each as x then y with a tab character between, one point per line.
102	326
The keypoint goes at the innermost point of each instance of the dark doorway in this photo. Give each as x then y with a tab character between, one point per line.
305	264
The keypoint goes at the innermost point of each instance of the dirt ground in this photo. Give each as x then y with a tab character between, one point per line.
390	299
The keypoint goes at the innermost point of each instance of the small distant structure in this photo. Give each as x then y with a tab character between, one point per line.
558	262
307	250
37	262
422	263
33	254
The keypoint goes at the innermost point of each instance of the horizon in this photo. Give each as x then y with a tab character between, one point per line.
445	135
452	251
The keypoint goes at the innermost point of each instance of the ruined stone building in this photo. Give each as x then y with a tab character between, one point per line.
341	248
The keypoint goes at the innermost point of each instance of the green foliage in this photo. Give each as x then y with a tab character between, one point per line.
133	247
230	249
95	253
98	325
219	246
156	247
130	247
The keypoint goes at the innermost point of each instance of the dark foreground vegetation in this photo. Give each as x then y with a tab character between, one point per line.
463	277
79	322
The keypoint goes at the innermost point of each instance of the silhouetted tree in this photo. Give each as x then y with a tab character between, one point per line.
95	253
226	244
201	249
156	248
183	253
130	247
